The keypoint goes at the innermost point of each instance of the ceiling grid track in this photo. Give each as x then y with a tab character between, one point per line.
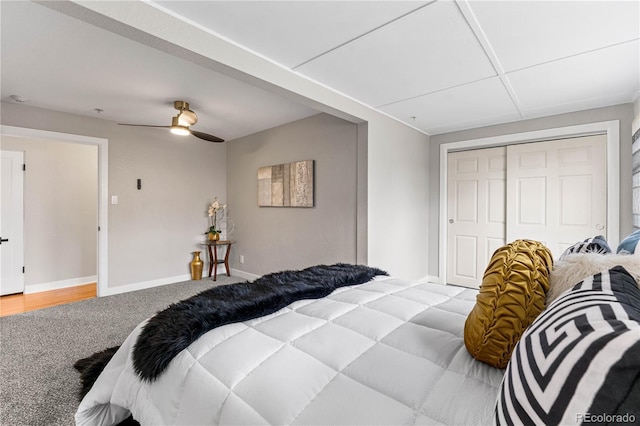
472	21
361	35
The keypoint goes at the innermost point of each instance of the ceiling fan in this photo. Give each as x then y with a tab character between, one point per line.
180	123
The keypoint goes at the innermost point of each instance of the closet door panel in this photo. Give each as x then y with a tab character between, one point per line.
557	190
476	212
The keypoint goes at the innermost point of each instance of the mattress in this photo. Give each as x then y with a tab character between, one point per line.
389	352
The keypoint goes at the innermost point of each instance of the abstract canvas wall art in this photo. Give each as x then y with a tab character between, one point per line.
286	185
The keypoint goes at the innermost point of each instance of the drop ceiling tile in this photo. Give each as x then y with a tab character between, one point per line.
580	82
428	50
470	105
525	33
291	32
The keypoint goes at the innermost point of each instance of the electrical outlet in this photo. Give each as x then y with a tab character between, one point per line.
241	258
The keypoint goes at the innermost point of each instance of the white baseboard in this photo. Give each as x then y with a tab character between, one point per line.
170	280
431	279
245	275
109	291
435	279
55	285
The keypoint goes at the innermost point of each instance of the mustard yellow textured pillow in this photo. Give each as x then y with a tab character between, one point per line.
511	296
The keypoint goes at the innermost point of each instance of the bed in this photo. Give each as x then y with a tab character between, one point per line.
389	351
541	342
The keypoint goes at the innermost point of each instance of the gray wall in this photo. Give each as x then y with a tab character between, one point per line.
624	113
277	238
635	129
60	210
151	231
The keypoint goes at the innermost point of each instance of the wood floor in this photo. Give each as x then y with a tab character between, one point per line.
18	303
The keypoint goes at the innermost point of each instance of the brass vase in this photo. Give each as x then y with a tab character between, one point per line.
196	266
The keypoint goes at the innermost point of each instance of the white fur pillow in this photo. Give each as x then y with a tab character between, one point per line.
574	268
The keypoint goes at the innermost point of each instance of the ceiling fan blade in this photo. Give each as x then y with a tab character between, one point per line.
206	136
142	125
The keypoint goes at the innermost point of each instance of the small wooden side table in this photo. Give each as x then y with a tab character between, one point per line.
212	246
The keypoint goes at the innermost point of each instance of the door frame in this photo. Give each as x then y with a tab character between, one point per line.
103	182
610	128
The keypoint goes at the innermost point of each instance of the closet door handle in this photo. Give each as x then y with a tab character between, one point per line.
3	240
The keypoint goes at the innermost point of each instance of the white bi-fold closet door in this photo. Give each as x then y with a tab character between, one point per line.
552	191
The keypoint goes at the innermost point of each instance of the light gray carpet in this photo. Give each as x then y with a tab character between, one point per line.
38	384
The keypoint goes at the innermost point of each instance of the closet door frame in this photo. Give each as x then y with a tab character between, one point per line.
610	128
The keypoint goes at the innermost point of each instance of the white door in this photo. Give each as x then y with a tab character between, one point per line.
556	191
476	212
11	223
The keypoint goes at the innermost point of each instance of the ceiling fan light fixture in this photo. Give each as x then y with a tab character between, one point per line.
178	129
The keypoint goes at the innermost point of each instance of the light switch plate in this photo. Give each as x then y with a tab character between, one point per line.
114	199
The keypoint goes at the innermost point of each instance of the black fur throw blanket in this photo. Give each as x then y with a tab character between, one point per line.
174	329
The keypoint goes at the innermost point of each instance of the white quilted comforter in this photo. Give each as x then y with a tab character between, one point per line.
386	352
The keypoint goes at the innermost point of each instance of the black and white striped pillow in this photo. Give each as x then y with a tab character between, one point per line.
579	359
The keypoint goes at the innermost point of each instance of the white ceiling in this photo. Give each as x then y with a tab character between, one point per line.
439	66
